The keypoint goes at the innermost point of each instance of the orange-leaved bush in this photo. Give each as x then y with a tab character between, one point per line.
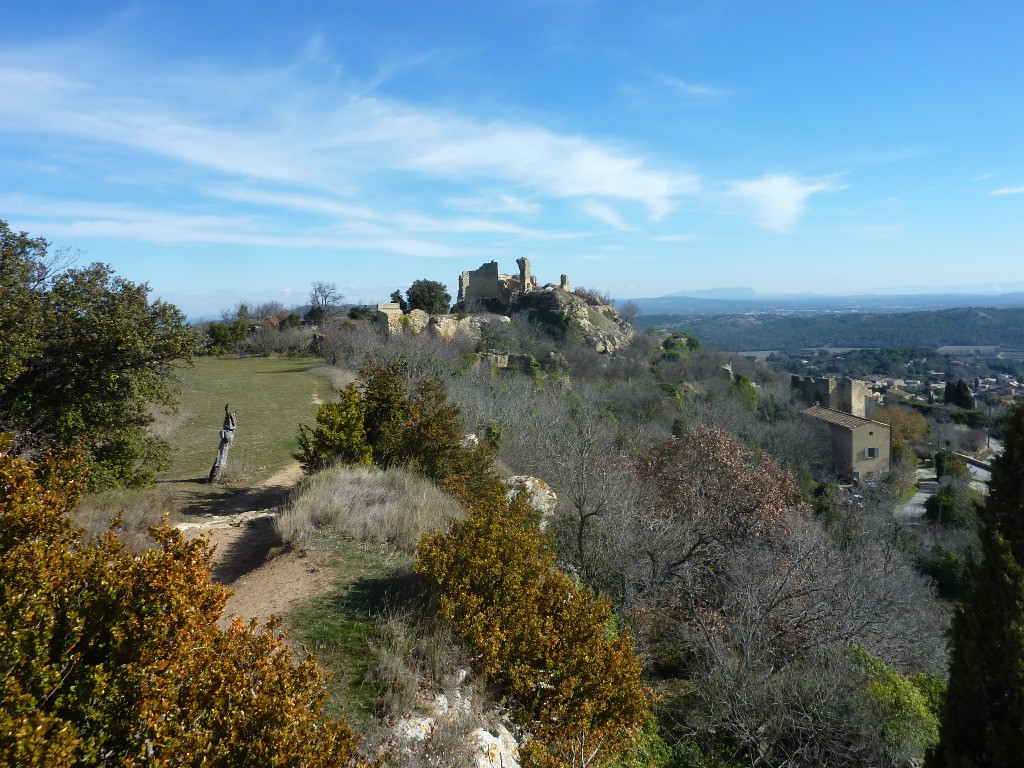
115	659
549	644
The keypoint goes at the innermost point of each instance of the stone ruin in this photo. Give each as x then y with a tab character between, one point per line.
487	288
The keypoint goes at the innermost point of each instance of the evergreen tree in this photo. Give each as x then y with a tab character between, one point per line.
983	723
430	296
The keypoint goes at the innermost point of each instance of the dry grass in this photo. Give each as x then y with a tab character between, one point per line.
339	377
394	507
138	511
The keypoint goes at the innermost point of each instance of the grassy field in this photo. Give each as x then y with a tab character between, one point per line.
272	396
339	626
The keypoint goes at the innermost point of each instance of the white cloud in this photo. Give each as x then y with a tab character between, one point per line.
693	90
502	203
603	213
1008	191
778	201
274	126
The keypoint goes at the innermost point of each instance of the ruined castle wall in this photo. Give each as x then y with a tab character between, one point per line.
846	395
480	284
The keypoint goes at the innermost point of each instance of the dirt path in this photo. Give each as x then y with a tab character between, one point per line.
266	577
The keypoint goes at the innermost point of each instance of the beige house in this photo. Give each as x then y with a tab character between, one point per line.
861	447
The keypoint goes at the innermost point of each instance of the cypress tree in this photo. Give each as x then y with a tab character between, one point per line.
983	722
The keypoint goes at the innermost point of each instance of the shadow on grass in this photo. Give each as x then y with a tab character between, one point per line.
402	592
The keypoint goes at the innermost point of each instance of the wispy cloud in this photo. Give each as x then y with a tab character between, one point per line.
694	90
603	213
778	201
124	222
500	203
1008	191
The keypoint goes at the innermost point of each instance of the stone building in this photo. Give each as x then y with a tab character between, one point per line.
861	448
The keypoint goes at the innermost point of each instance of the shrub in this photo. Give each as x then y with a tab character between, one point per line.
951	505
592	296
112	658
548	643
398	419
909	724
949	464
339	436
395	507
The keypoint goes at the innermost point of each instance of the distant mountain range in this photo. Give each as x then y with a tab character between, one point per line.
738	301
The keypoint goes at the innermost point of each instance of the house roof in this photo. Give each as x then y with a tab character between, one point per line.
839	418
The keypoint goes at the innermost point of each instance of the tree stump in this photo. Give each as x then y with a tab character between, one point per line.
227	436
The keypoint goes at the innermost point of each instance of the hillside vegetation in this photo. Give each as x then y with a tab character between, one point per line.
682	581
959	327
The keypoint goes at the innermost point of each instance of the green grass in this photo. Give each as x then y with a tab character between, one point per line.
272	396
339	626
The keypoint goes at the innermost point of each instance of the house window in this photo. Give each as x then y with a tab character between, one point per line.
870	453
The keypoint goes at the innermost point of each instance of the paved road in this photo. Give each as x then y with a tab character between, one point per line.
912	512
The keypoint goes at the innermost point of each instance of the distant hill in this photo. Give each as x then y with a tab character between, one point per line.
735	301
989	326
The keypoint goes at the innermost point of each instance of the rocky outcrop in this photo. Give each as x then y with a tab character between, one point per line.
597	324
394	322
490	746
538	495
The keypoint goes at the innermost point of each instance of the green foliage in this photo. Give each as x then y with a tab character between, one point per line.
339	435
959	394
951	571
91	354
224	336
933	689
23	274
493	434
948	464
681	342
546	642
395	418
951	505
397	298
360	312
983	722
116	659
555	324
430	296
746	390
907	719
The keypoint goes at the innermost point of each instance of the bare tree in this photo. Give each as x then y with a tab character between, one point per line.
322	299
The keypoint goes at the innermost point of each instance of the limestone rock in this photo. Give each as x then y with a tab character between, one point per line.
496	748
416	321
415	728
443	326
538	494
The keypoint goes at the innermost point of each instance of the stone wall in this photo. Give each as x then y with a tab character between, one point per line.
480	284
486	287
846	395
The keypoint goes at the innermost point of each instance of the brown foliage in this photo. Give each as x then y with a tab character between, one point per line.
548	643
113	658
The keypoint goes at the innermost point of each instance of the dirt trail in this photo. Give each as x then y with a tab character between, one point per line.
266	577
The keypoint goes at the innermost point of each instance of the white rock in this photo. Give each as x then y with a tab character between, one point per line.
416	728
495	751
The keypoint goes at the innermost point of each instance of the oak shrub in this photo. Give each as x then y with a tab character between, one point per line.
116	658
549	644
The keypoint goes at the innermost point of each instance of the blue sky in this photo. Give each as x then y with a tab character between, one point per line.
230	150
